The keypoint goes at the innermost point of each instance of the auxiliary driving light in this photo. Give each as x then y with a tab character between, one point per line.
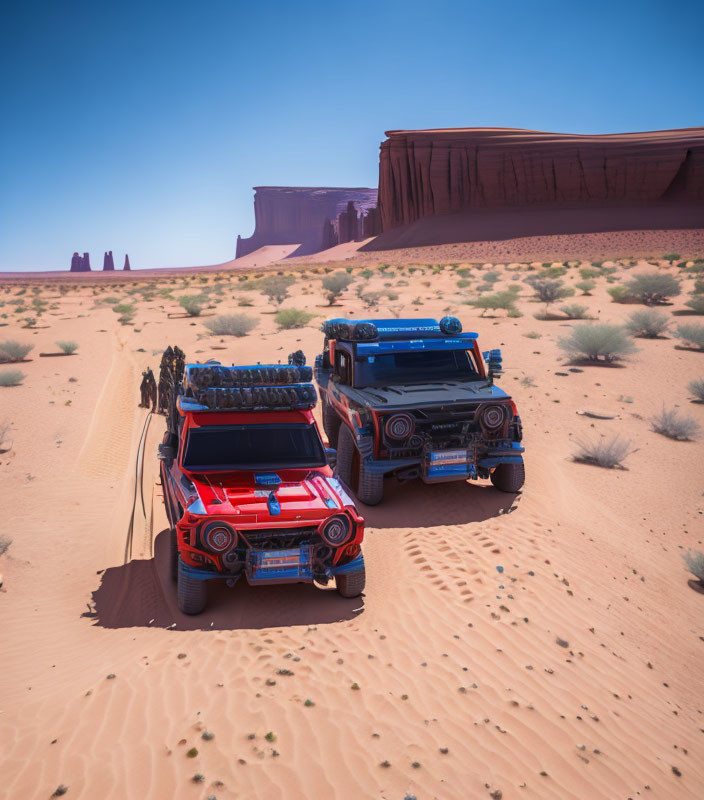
218	536
399	426
336	530
450	326
493	417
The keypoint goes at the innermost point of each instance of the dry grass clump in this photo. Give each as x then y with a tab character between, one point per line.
696	387
696	304
607	453
691	335
288	318
670	423
14	351
575	311
193	304
231	325
653	288
597	342
647	323
67	346
694	560
11	377
493	302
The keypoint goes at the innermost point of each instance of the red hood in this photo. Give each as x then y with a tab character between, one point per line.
303	495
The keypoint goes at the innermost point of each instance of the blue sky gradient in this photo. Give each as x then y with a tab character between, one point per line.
141	127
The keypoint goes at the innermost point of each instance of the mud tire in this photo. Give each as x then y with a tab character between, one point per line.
509	477
192	594
173	554
351	584
367	486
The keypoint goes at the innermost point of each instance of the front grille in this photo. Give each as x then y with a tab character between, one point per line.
281	538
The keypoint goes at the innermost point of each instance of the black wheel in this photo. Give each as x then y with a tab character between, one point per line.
351	584
509	477
173	554
331	423
192	593
367	485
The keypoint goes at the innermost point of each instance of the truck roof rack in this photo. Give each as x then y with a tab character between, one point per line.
370	330
269	387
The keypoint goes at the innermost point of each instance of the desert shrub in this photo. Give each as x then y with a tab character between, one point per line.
698	286
696	387
691	335
491	276
672	257
550	273
11	377
193	304
619	294
696	303
647	323
366	273
123	308
653	288
575	311
293	318
548	291
694	560
585	287
669	422
276	287
595	342
335	284
494	302
463	284
607	453
14	351
370	299
533	335
245	302
587	273
231	325
67	346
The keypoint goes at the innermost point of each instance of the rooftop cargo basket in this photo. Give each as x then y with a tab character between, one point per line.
278	387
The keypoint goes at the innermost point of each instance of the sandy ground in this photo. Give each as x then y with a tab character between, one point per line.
463	688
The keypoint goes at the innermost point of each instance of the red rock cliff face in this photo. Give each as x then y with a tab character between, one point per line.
302	215
437	172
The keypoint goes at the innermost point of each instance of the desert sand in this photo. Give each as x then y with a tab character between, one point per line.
544	645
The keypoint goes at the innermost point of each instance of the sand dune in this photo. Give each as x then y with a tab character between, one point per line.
546	645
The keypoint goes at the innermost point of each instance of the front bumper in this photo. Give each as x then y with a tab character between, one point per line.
275	566
452	465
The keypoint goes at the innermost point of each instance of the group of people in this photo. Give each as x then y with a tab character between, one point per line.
171	369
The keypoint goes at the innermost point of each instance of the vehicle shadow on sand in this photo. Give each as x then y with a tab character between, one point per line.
418	505
142	594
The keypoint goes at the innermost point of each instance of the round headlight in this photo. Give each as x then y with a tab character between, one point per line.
365	331
336	530
450	326
399	426
493	417
218	536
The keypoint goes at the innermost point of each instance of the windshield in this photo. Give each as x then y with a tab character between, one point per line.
230	447
417	367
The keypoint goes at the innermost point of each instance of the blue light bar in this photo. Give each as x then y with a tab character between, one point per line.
461	342
402	329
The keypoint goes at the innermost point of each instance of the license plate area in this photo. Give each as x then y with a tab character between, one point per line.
448	463
275	566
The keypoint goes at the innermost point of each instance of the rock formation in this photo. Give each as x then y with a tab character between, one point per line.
438	172
303	216
80	263
108	263
127	262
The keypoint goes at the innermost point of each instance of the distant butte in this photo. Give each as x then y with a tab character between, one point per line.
484	183
310	217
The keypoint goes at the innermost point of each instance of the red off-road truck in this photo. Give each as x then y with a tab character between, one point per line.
248	486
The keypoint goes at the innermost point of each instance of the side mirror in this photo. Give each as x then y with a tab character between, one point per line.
331	456
494	362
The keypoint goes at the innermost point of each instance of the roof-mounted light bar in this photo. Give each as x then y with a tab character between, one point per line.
394	329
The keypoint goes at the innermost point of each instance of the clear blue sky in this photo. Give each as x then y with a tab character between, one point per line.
142	126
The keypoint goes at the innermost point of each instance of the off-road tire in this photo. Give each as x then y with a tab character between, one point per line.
173	554
192	594
331	423
509	477
351	584
367	486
